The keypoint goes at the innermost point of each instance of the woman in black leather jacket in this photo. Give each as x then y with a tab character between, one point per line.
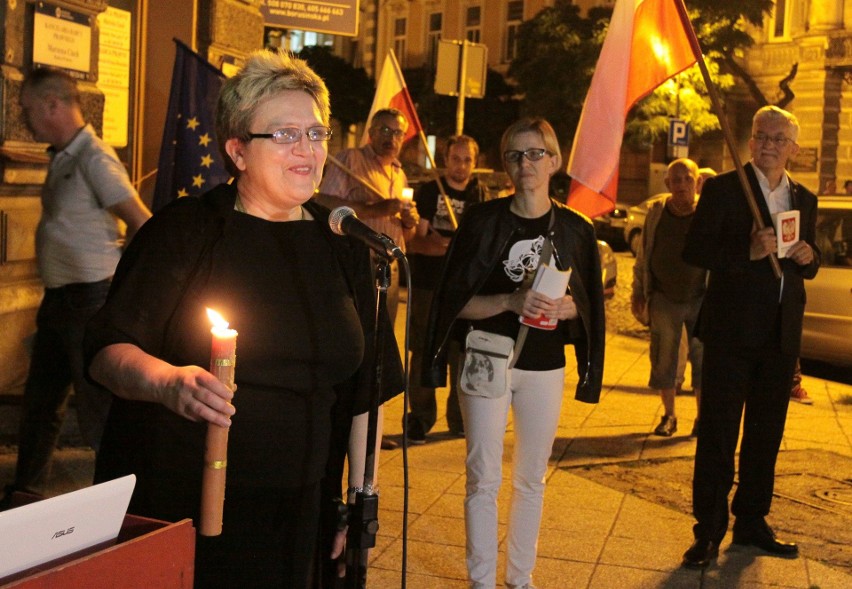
483	286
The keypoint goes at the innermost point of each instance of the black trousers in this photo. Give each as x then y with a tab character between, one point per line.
737	380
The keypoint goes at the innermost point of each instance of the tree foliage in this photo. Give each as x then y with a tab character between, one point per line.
558	50
685	97
485	118
351	89
556	56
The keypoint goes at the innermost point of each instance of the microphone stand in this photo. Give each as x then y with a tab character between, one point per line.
364	514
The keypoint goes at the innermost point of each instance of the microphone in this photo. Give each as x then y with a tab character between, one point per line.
344	221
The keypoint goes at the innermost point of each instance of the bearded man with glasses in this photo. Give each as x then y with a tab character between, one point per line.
751	325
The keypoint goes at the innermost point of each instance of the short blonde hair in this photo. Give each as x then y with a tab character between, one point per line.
264	74
535	125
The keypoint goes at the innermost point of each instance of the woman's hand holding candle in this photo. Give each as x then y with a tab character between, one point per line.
194	393
190	391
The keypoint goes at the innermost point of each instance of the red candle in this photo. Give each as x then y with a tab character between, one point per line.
222	361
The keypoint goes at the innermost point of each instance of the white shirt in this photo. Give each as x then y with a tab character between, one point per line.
78	239
778	201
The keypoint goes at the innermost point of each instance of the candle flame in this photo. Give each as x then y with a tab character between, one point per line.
216	319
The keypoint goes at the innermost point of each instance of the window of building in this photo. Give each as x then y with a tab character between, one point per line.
399	46
514	18
433	36
780	21
295	41
473	24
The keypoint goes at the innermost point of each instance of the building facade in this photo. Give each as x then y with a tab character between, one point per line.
815	34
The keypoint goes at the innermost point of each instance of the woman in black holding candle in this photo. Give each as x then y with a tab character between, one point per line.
260	253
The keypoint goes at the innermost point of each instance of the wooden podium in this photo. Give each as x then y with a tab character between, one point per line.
148	553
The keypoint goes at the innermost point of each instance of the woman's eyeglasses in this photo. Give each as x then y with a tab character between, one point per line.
533	154
294	135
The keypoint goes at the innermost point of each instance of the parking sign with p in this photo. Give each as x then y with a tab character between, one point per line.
678	133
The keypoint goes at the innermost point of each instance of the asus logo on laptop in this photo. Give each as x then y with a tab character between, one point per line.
61	533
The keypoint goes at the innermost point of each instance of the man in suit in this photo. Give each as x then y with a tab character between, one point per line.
751	326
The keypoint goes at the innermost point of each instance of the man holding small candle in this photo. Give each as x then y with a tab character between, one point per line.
371	182
259	252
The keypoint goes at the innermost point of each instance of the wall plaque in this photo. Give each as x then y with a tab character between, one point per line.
338	18
62	38
805	161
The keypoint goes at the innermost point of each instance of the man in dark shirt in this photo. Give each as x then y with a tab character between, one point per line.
668	289
426	257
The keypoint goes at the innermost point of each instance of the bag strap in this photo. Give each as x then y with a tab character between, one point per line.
543	258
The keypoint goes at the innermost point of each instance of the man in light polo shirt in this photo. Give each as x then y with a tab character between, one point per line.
78	244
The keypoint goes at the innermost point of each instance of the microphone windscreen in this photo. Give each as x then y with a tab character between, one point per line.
335	219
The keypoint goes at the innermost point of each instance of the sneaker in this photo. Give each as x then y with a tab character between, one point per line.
800	395
667	427
416	435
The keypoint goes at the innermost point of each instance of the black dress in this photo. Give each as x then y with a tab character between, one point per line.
281	286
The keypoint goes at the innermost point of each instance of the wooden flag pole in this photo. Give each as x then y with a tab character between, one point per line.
726	129
407	97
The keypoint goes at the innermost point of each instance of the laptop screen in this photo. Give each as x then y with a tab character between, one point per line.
46	530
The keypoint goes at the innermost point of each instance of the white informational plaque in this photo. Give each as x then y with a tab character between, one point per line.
786	231
552	283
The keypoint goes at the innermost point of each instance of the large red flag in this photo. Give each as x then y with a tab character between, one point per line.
646	44
391	92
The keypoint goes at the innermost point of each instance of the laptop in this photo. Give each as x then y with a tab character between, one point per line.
47	530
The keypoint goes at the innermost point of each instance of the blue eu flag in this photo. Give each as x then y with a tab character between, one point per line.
190	163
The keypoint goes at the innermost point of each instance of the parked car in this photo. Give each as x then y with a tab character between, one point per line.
609	268
635	221
827	329
610	227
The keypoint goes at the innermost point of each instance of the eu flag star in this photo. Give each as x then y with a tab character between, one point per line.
188	166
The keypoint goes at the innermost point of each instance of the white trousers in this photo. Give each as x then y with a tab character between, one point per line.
536	399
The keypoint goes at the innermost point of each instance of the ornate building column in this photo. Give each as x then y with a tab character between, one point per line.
825	15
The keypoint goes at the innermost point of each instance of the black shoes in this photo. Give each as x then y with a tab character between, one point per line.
754	533
700	554
416	435
758	533
667	427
